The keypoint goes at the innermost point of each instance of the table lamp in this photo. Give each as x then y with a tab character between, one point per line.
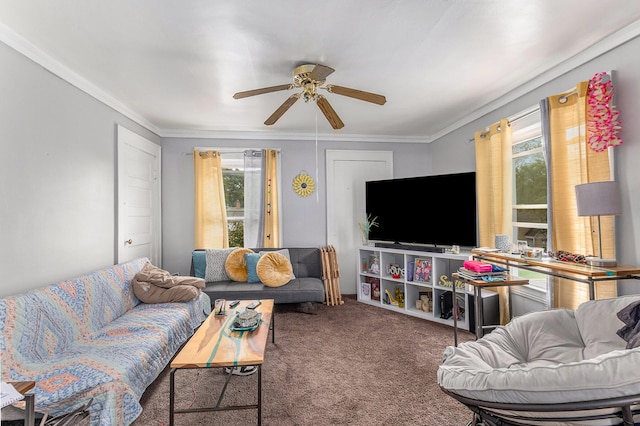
598	199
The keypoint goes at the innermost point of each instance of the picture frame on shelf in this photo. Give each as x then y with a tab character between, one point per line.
422	270
364	266
375	288
365	291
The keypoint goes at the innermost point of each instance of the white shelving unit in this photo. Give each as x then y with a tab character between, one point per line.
438	283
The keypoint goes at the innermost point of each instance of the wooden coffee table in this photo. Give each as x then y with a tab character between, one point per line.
216	345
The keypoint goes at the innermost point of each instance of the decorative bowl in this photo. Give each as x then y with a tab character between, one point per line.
246	318
532	253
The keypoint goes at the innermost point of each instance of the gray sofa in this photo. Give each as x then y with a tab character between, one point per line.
307	286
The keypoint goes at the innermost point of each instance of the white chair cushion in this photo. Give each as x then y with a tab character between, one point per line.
542	358
603	312
610	375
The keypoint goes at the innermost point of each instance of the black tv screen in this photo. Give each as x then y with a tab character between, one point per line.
437	210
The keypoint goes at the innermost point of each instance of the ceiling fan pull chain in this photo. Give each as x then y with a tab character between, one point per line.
317	196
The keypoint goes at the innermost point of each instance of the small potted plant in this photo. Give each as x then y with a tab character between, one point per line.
366	226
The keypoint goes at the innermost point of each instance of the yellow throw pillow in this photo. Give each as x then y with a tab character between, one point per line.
236	265
274	269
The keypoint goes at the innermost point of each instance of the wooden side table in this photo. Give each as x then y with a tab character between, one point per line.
478	285
29	399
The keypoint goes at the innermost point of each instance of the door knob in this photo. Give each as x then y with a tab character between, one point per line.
129	241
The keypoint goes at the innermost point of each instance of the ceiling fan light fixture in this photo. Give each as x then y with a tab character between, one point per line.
310	78
309	93
307	96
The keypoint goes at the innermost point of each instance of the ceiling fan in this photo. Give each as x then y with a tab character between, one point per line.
310	78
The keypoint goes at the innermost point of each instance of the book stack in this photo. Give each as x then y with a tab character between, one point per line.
480	271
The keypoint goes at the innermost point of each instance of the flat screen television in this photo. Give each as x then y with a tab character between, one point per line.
434	211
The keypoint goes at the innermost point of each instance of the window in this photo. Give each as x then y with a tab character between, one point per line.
237	198
243	175
233	181
529	174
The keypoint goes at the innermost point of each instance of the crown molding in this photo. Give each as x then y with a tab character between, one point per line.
257	135
616	39
23	46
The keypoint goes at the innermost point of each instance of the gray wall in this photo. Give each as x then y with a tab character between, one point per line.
303	218
57	172
57	177
455	149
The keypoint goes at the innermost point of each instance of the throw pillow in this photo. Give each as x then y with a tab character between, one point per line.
199	263
236	264
274	269
252	261
286	254
215	264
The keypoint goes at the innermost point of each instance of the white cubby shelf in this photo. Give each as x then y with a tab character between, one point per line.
373	271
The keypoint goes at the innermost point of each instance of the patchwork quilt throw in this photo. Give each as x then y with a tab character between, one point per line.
91	337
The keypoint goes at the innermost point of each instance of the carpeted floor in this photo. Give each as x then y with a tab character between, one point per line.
353	364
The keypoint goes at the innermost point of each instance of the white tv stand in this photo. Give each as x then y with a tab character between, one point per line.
443	265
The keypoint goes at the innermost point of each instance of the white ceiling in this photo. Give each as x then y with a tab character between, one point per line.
174	66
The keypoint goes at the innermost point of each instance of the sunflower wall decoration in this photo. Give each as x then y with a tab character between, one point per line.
303	184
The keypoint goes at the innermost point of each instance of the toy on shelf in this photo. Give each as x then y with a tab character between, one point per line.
396	300
446	282
395	271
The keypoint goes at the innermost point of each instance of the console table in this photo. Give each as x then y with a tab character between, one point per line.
572	271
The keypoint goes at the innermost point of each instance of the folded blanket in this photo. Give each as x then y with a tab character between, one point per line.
155	285
630	315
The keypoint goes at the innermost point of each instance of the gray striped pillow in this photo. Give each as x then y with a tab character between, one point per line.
216	259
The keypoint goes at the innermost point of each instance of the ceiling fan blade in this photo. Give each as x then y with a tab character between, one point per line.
282	109
358	94
320	72
248	93
329	112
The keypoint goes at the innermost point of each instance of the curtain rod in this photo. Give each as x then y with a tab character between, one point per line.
515	118
230	150
524	114
562	100
565	98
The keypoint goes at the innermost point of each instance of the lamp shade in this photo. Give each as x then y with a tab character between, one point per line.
598	199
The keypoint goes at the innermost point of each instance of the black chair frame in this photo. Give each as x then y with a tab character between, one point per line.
486	412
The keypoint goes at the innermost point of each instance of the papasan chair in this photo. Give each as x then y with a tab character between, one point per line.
555	367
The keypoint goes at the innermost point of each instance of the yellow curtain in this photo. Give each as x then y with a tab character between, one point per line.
271	207
494	192
571	163
211	230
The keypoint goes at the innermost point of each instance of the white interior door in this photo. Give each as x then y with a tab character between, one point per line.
139	224
347	172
